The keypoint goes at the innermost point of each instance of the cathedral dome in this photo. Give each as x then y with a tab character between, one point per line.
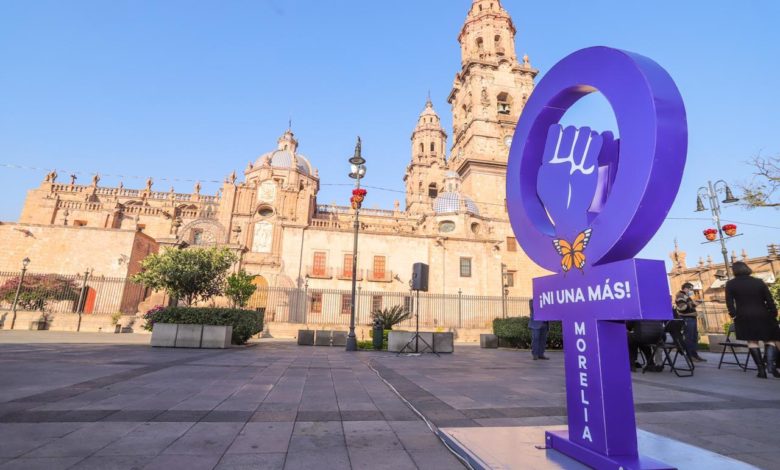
450	202
286	156
287	159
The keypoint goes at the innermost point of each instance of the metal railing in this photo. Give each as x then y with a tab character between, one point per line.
57	293
331	306
712	317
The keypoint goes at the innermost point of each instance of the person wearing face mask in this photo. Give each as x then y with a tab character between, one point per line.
686	309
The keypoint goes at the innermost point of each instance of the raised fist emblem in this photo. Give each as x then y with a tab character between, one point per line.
569	175
571	181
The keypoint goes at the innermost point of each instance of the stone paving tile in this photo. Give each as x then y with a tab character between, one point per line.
438	459
185	462
146	439
318	415
273	416
181	416
315	436
133	415
84	441
376	435
45	463
113	462
262	437
20	438
331	459
205	439
375	459
224	416
252	462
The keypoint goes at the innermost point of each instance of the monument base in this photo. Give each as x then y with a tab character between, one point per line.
559	440
522	447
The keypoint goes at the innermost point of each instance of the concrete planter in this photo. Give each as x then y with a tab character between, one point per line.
322	338
216	337
397	340
164	335
488	341
339	338
189	336
305	337
444	342
170	335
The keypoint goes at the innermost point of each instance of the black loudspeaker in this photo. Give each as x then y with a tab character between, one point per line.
420	277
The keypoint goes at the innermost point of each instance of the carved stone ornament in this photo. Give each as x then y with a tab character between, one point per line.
266	192
263	237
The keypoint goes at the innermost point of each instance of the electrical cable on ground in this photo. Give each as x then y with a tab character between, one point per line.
434	429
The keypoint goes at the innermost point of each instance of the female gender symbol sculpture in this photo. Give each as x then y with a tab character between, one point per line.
583	204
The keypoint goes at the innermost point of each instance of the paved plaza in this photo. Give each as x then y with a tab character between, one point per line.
106	401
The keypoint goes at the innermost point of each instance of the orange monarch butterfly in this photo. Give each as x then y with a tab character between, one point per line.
572	254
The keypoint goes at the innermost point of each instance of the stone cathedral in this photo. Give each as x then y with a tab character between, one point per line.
454	218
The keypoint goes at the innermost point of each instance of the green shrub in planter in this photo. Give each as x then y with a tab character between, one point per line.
555	335
513	330
245	323
516	332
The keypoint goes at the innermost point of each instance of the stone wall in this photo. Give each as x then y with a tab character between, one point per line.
61	249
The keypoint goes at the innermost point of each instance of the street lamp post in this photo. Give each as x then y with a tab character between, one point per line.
25	262
503	290
357	171
710	192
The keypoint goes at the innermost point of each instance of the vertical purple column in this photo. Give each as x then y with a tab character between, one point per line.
598	384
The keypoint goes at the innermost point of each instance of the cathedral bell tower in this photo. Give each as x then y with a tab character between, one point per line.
487	97
425	174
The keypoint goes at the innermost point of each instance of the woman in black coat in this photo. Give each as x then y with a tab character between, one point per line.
754	312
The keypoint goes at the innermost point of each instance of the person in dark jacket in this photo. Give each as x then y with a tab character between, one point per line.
754	312
538	334
685	307
642	335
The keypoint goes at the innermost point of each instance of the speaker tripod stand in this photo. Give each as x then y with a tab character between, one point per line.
417	338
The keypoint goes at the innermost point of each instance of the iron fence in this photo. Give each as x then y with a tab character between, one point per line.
331	306
58	293
712	317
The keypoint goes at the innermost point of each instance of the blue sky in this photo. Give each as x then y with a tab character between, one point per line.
194	90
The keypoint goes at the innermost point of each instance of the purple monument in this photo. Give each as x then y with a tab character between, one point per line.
583	204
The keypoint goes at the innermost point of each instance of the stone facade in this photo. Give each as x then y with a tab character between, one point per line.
455	216
709	278
72	250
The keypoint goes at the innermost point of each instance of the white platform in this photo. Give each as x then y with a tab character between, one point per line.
514	447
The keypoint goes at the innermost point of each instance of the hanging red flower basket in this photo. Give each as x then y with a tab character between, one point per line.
355	203
711	234
358	195
730	229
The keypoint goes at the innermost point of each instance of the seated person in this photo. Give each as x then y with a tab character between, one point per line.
641	336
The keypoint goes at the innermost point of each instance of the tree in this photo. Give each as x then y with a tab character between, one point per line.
775	290
192	274
37	290
765	183
240	288
391	316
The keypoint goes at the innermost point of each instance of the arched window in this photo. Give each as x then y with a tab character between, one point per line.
479	40
497	44
504	103
432	191
422	147
433	147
